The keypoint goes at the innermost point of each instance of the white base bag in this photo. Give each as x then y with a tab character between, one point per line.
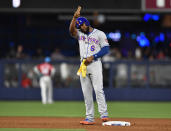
116	123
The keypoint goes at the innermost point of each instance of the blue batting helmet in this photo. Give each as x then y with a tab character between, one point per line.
47	59
80	21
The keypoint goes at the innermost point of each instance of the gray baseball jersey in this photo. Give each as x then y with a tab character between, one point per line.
89	45
92	43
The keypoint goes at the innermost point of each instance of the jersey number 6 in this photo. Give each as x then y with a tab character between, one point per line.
92	48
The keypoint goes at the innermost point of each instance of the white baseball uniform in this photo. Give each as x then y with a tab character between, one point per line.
45	71
89	45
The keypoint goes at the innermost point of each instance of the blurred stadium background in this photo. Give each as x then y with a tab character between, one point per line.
138	66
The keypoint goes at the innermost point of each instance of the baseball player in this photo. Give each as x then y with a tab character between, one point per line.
45	71
93	45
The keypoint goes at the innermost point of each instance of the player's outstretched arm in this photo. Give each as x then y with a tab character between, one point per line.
72	28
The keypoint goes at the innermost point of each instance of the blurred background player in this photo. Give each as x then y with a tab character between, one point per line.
45	71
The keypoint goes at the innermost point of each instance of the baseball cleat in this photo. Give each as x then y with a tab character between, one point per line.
105	118
87	122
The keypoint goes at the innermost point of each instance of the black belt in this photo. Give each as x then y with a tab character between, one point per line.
98	59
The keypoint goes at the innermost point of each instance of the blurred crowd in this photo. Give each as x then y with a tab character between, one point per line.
139	53
19	53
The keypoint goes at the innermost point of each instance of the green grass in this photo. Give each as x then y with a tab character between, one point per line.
36	108
140	109
34	129
77	109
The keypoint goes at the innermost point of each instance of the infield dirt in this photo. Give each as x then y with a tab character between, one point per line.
138	124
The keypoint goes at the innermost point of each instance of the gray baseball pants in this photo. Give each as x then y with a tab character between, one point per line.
94	80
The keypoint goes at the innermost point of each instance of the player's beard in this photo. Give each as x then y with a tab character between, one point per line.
87	30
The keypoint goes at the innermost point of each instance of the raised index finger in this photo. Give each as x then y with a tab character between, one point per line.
79	8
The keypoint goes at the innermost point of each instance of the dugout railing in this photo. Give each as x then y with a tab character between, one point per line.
123	80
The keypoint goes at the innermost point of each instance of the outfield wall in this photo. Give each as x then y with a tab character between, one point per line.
123	80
